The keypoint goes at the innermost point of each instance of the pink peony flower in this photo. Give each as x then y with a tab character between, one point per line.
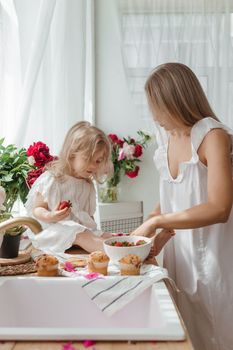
128	150
121	154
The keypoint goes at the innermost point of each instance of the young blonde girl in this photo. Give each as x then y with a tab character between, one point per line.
85	155
194	159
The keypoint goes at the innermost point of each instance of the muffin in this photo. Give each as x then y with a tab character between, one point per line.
47	265
98	262
130	265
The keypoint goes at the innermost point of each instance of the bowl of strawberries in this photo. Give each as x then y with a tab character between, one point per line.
118	247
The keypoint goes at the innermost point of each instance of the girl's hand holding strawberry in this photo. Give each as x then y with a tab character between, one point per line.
64	204
61	212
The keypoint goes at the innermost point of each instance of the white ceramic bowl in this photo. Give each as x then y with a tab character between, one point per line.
116	253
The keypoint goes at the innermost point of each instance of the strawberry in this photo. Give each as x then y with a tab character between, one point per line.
140	242
64	204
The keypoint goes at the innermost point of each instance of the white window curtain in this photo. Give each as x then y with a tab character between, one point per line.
10	67
47	67
89	94
195	32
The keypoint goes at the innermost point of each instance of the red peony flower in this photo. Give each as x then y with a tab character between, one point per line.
113	137
33	175
133	173
120	142
40	152
138	151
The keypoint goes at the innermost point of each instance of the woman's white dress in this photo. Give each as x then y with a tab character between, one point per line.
199	260
58	237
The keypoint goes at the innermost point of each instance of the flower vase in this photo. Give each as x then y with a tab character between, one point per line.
109	193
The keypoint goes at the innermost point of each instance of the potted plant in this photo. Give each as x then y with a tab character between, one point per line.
19	168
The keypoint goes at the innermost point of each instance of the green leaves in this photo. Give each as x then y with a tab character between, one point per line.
145	138
14	231
13	173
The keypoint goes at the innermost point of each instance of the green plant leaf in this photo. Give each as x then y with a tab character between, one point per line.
7	178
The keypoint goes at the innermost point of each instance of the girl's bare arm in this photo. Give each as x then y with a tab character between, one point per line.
42	212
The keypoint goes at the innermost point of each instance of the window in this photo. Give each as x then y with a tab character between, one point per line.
203	41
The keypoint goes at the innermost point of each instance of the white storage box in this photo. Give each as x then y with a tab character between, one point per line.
121	216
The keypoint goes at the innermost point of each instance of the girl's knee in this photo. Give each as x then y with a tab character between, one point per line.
83	236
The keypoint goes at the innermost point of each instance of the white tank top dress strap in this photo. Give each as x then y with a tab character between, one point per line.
201	129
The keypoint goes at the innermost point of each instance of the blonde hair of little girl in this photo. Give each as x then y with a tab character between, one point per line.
87	139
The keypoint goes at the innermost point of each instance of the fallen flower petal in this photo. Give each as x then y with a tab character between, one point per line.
68	346
92	275
68	266
87	343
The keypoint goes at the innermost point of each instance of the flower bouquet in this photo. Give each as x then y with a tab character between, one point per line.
126	153
19	168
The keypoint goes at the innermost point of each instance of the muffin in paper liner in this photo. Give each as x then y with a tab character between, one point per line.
130	265
47	266
98	262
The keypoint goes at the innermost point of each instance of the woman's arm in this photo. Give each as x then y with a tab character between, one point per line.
216	149
41	211
156	212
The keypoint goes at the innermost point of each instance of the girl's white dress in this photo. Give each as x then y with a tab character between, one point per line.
58	237
199	260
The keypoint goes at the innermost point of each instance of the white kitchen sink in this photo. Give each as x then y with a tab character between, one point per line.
33	308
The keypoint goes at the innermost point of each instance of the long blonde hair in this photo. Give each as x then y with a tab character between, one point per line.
87	139
174	89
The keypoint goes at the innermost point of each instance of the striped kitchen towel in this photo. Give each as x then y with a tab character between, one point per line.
112	293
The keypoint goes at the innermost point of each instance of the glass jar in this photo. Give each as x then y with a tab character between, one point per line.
109	193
